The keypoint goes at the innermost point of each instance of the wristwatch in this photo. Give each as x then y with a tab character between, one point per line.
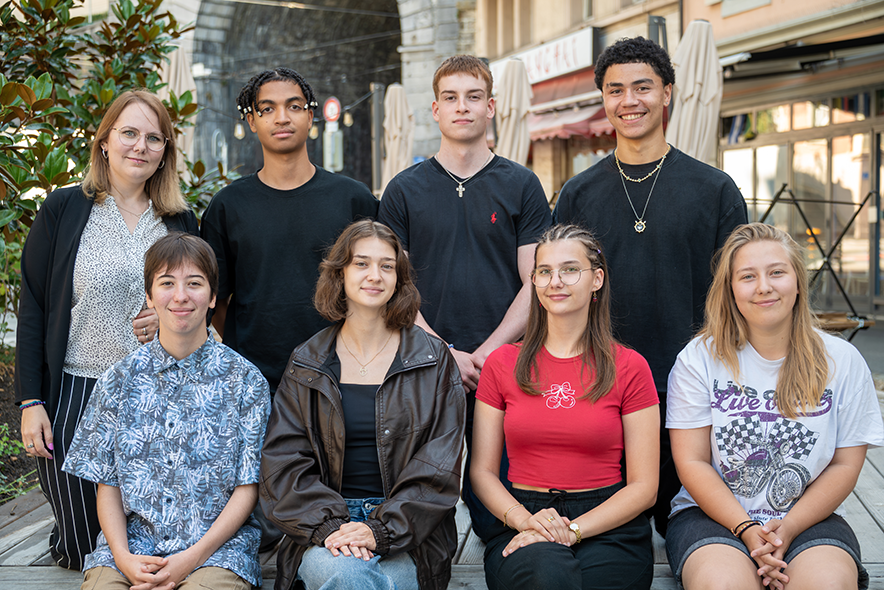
573	526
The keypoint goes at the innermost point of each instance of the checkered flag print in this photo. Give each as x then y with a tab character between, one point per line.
740	433
793	438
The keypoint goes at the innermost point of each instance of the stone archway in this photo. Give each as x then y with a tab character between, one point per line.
234	40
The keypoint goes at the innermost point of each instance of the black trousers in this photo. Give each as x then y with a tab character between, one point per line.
72	499
619	559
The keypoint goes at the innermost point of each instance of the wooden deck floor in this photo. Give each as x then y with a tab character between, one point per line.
26	521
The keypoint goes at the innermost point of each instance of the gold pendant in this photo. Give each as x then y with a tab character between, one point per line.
640	226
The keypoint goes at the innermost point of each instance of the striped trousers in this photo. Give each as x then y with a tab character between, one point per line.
72	499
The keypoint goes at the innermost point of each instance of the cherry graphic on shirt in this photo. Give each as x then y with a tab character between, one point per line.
560	396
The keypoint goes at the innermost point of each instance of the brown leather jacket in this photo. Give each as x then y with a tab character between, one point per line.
420	415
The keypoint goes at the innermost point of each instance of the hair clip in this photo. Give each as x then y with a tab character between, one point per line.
313	104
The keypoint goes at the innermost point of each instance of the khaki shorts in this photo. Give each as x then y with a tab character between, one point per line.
215	578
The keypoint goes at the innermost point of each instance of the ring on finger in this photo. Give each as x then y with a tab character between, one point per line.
550	519
30	446
144	331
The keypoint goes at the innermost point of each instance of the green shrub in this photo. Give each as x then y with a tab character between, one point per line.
58	76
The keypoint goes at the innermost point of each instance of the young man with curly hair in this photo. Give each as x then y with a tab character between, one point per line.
270	229
660	215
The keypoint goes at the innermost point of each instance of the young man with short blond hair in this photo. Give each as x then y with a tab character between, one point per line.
469	221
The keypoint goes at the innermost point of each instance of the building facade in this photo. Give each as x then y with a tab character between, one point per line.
801	131
559	40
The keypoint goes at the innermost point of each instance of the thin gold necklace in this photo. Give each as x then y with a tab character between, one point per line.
640	223
649	174
364	370
121	208
460	189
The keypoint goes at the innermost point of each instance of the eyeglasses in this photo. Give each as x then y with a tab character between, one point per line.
569	275
130	136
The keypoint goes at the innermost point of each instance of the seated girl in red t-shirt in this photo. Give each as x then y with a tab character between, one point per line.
570	403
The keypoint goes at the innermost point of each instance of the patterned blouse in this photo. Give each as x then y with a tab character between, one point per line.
176	437
108	288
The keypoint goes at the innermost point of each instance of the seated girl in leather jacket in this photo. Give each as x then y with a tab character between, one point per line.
361	465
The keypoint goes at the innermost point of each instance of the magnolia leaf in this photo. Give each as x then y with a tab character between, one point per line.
26	94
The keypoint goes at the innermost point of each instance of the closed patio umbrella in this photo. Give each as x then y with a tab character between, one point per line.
179	79
693	127
398	133
513	99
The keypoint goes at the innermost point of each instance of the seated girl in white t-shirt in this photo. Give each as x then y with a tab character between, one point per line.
785	412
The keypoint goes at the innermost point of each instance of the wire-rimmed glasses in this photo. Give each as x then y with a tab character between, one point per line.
130	136
569	275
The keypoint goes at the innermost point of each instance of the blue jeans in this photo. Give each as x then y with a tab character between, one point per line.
320	570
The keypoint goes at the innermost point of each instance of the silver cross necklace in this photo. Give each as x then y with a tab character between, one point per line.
460	189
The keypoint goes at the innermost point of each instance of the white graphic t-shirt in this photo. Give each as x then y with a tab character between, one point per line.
767	460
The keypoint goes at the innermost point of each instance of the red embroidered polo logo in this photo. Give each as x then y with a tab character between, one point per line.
494	217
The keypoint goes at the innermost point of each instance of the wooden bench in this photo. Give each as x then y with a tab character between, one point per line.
837	321
26	521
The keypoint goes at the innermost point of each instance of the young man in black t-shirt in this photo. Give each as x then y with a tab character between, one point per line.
270	229
469	221
660	216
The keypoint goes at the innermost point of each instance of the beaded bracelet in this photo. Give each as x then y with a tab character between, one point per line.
32	404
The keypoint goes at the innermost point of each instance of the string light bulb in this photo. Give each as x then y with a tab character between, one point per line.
348	119
239	131
314	132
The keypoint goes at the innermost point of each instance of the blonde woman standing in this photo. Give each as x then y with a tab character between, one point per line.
82	300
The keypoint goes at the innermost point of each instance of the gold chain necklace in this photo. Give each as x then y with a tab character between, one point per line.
649	174
121	208
640	223
460	189
364	370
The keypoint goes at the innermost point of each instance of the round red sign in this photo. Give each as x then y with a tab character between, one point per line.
331	110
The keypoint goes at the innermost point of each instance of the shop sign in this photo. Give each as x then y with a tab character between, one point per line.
562	56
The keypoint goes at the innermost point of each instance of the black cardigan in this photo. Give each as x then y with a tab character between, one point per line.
47	284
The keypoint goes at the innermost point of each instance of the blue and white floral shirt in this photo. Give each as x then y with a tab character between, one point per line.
176	437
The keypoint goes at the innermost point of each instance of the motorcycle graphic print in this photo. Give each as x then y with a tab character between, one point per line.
758	454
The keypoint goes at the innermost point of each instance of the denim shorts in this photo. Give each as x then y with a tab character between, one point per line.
691	529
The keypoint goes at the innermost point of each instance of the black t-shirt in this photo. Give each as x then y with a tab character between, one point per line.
362	468
269	244
658	278
464	250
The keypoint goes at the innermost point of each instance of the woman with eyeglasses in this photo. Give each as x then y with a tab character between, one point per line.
571	405
82	305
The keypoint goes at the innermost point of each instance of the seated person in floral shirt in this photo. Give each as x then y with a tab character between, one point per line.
172	435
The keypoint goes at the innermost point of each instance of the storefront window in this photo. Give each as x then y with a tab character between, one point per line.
847	109
851	161
738	165
771	173
808	114
737	128
879	102
774	120
810	178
